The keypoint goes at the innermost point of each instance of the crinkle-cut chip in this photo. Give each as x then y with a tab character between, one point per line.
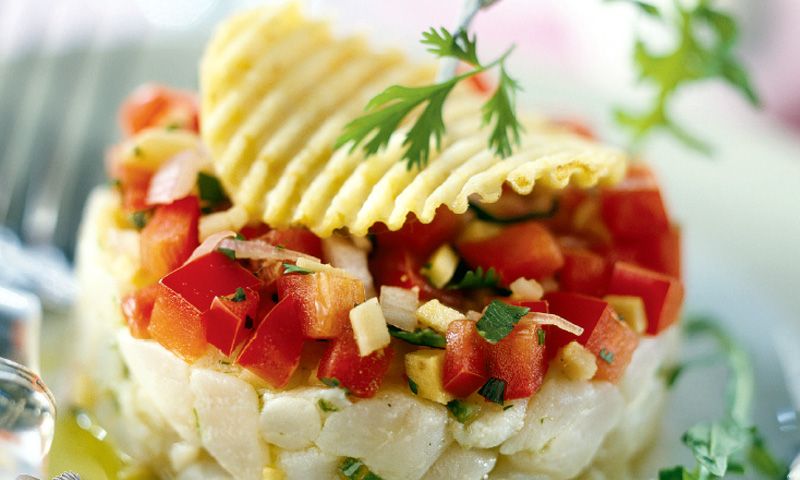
279	88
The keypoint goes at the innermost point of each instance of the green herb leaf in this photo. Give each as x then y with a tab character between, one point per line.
334	383
443	44
139	219
498	320
540	336
425	337
463	412
484	215
239	295
327	406
354	469
230	253
210	191
501	110
477	279
412	385
493	390
507	407
607	356
290	268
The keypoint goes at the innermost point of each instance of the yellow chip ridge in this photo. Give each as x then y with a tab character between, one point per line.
277	90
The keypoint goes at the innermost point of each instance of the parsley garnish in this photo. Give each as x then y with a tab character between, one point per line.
354	469
477	279
412	385
498	320
137	151
425	337
507	407
607	356
327	406
334	383
493	390
139	219
482	214
540	336
228	252
386	111
239	295
210	191
289	268
705	40
462	411
718	446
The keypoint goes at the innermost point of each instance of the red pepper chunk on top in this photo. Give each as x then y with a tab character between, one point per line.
520	360
170	236
343	365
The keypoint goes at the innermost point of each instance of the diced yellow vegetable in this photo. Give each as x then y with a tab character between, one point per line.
577	362
369	327
424	368
313	266
477	230
399	307
270	473
437	316
525	289
630	310
233	218
442	266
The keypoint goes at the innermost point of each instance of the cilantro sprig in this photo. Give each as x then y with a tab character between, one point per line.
424	337
387	110
719	446
498	320
703	50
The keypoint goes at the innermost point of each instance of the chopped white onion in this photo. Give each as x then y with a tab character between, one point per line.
526	289
175	179
261	250
342	253
560	322
473	315
210	244
399	306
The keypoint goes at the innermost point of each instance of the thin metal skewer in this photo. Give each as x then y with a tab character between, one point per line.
448	66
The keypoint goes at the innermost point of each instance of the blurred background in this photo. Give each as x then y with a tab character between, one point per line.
66	65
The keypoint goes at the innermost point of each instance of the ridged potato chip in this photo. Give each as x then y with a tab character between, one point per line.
278	89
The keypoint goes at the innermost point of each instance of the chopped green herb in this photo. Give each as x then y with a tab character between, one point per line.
493	390
607	356
239	295
484	215
327	406
498	320
387	110
540	336
421	336
334	383
115	183
354	469
196	419
239	236
477	279
289	268
173	126
139	219
412	385
137	151
230	253
210	191
462	411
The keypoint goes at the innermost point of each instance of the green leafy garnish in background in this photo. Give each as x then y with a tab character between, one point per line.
704	49
477	279
387	110
719	447
422	336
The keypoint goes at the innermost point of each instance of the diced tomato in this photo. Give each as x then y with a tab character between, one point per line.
137	307
297	239
522	250
420	238
134	181
273	352
568	202
231	320
662	294
325	300
634	208
584	272
539	306
170	236
519	360
661	252
465	362
603	333
184	294
342	363
159	106
250	232
397	267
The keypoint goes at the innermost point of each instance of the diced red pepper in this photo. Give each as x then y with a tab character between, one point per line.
420	238
584	272
325	300
662	295
342	363
134	181
170	236
186	293
253	231
522	250
158	106
538	306
661	252
465	362
520	360
603	333
273	352
137	307
230	320
398	267
297	239
634	208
